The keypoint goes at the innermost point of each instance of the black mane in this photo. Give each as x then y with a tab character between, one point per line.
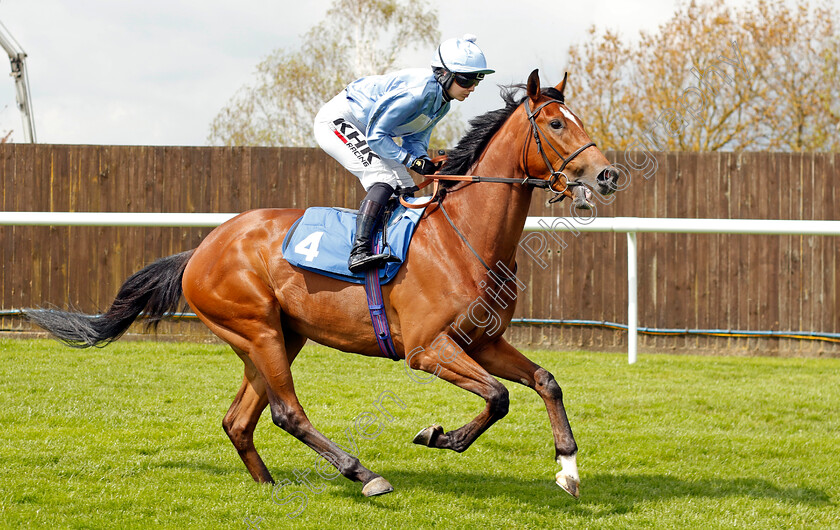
482	128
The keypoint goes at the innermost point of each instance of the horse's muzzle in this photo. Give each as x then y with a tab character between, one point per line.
608	181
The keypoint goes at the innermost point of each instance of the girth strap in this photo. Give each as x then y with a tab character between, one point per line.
373	289
376	304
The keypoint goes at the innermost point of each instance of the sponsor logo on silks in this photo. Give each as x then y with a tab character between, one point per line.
351	137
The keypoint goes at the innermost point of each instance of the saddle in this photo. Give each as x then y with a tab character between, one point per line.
321	240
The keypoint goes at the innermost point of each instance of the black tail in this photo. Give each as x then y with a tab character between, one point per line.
153	291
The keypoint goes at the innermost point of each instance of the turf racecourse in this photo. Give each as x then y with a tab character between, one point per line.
130	437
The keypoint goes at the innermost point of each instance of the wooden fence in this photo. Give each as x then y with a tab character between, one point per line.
736	282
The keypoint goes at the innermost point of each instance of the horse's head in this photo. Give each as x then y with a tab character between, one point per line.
559	150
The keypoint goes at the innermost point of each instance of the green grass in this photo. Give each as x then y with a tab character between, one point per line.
130	437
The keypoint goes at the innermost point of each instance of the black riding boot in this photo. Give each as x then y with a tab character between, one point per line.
361	256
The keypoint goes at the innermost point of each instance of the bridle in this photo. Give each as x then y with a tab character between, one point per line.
536	134
549	184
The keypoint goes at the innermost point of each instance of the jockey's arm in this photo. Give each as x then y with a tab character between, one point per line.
395	110
418	143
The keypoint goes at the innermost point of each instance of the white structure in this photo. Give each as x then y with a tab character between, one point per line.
19	72
632	225
629	225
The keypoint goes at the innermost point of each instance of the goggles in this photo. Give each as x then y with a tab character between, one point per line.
468	80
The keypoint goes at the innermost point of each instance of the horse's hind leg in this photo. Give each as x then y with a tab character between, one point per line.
288	414
264	341
244	413
503	360
242	417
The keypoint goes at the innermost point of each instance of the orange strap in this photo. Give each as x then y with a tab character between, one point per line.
436	179
421	186
438	159
464	178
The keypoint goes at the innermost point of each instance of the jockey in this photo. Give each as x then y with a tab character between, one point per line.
359	125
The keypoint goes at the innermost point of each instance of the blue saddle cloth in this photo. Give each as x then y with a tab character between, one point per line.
321	240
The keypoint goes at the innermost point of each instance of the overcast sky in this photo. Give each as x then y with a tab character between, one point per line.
157	72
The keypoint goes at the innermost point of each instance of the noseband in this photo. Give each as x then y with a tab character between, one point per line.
536	133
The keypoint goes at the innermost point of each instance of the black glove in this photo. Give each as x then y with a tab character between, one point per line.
407	192
424	166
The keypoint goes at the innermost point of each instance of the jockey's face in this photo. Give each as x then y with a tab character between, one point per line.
458	92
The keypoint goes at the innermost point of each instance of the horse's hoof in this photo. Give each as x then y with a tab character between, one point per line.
570	484
428	435
377	486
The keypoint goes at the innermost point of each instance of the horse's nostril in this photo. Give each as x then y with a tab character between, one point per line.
608	175
604	175
608	180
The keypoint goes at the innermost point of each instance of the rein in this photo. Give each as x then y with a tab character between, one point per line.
549	184
537	183
502	279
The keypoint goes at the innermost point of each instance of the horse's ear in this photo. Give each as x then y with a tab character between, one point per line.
534	85
562	85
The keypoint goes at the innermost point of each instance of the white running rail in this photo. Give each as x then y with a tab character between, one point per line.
629	225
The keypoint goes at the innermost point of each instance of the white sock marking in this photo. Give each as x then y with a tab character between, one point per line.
569	464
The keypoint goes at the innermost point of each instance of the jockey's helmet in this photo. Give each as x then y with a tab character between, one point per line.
462	56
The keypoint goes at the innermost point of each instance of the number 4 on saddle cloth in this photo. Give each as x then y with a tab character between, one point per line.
321	240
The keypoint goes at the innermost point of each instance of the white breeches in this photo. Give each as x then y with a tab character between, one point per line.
343	138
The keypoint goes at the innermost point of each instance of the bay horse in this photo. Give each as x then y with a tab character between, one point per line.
241	287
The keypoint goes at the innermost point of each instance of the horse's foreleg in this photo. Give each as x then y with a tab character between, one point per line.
447	361
503	360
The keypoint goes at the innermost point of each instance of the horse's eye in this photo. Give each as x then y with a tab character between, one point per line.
556	124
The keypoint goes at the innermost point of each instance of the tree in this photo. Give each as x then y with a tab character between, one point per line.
761	77
357	38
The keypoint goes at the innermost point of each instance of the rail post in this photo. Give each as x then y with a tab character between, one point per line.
632	300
